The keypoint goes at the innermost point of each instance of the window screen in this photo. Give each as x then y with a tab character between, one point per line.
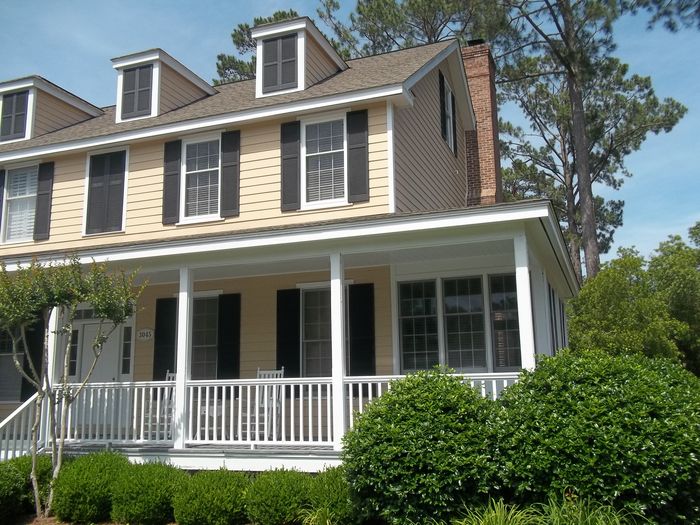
13	124
325	161
202	178
20	190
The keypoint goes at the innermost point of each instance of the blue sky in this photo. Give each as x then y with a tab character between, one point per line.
71	43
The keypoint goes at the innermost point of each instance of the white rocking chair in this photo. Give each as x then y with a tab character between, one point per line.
268	422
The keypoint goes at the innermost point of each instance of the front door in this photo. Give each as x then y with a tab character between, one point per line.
109	365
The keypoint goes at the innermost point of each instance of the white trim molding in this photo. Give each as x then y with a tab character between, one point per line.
390	155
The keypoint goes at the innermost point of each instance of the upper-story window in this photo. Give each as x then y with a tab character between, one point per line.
14	116
201	179
279	63
137	84
447	113
324	158
20	203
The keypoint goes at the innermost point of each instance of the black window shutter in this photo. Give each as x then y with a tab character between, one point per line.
230	173
229	350
97	194
171	181
35	343
361	318
289	331
106	192
443	116
358	156
2	192
42	216
164	340
271	60
454	124
290	151
115	191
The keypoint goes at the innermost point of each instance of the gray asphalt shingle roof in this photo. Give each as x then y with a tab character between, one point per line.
363	73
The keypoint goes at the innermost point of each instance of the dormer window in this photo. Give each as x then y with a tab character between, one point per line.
14	116
280	63
136	94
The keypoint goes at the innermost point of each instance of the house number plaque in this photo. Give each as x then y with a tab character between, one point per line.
145	334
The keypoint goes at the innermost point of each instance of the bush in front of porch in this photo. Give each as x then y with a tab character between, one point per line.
624	430
211	498
276	497
421	451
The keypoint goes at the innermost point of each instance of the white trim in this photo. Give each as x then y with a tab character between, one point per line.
120	87
320	285
86	189
155	93
55	91
395	347
325	203
183	356
390	155
208	123
160	55
305	233
450	115
296	25
196	139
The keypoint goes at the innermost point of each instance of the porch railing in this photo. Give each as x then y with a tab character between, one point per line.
122	412
257	412
16	430
251	412
361	390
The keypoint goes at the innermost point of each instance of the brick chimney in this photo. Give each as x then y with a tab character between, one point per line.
484	185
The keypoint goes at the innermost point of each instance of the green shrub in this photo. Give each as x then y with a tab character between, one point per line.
44	472
329	495
143	494
83	488
11	491
623	430
211	498
277	497
420	451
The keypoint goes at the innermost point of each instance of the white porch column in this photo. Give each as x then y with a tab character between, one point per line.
338	348
53	347
522	283
184	336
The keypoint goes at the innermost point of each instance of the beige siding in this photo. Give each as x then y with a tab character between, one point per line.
258	323
52	114
260	193
176	91
319	65
428	176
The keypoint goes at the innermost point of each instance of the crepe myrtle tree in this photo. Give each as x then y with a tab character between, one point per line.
28	296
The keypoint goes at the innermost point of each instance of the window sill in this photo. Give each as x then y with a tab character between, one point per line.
199	220
29	240
15	139
320	205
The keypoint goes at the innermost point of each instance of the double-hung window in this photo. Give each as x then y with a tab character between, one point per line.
201	179
13	124
444	322
20	203
205	329
316	332
324	158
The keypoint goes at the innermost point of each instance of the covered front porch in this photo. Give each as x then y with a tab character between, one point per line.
262	354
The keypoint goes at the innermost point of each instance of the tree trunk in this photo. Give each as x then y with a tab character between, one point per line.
35	449
572	227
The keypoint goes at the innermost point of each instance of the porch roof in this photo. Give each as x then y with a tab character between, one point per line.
351	235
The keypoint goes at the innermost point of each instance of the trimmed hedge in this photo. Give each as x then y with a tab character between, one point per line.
623	430
329	491
11	491
84	487
211	498
44	474
277	497
421	451
143	494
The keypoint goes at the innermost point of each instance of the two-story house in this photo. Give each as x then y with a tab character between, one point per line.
307	236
